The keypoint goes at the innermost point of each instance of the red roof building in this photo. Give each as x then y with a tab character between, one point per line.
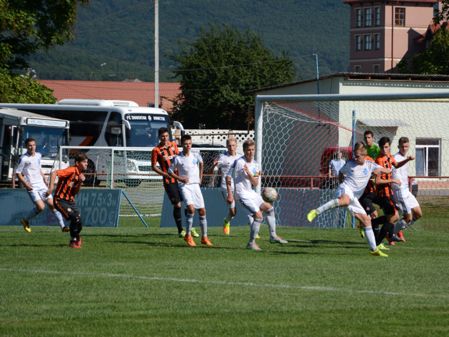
140	92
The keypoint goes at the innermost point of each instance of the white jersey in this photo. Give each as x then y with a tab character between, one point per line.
336	165
187	166
357	176
241	180
400	173
225	162
30	167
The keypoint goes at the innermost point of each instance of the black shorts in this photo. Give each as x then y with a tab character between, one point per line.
173	193
66	208
368	200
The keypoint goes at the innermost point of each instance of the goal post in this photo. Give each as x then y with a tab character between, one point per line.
298	135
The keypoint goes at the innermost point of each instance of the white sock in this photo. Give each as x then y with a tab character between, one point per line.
58	216
203	225
328	205
255	226
189	223
271	219
369	234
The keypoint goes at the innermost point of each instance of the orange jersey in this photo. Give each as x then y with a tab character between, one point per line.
69	183
388	162
164	155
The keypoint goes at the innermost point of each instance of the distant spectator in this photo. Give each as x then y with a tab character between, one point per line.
336	164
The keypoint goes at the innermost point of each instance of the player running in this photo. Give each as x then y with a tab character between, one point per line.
407	202
189	168
29	172
385	182
355	175
224	164
246	174
69	184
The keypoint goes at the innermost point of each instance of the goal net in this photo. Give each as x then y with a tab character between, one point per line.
298	136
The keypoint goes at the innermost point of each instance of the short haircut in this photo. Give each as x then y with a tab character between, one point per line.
360	146
383	141
230	140
368	132
161	131
28	140
403	140
247	143
185	137
80	157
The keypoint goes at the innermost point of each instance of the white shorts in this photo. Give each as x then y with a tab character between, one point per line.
39	194
192	195
251	200
224	193
406	200
354	205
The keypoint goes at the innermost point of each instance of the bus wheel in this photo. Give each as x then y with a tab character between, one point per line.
132	182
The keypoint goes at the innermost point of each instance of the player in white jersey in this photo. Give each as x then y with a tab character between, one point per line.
189	173
224	164
406	200
29	173
355	175
246	174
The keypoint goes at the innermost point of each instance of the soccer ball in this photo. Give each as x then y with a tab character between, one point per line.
269	194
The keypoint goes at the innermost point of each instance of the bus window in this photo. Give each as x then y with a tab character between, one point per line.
113	134
144	130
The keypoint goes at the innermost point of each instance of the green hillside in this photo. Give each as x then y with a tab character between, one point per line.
114	38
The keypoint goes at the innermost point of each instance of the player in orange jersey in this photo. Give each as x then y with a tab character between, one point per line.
385	181
69	184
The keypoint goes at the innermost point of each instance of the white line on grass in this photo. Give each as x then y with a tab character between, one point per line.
224	283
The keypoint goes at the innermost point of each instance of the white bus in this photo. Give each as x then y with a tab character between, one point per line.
108	123
16	126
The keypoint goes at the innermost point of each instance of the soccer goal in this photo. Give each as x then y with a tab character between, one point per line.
298	135
129	169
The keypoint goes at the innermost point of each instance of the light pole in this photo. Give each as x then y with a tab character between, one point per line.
317	73
156	54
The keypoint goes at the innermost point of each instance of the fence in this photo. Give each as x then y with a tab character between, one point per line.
130	170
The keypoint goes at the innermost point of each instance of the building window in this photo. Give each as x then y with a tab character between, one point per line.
436	9
357	69
377	16
399	16
359	18
368	42
376	68
428	157
368	17
358	42
376	41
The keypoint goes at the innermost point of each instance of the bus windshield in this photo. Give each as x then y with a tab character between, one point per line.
144	130
48	140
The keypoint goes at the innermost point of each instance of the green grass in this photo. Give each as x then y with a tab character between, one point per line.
133	281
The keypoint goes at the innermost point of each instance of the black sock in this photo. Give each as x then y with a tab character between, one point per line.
178	218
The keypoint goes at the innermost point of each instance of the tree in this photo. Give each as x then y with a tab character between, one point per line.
23	89
25	27
29	25
433	60
218	73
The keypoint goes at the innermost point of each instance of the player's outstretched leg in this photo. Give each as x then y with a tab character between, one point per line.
315	212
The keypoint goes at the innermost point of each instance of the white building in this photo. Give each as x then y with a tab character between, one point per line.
425	122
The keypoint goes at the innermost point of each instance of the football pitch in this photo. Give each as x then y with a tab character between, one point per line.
133	281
